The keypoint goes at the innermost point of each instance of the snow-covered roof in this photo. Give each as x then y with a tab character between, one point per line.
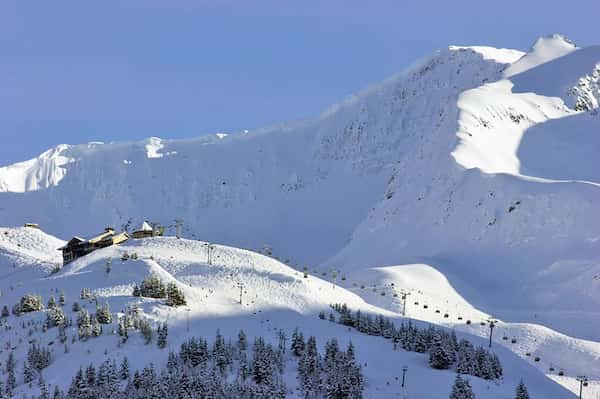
75	238
145	227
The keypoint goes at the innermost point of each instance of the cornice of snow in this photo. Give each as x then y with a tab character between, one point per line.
38	173
546	48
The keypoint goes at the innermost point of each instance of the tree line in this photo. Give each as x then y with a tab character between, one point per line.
444	349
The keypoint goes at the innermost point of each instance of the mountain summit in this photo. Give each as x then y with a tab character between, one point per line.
467	159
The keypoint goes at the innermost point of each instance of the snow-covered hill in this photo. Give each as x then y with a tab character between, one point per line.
478	163
275	297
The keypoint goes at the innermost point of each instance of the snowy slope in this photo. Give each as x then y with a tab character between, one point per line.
477	162
275	297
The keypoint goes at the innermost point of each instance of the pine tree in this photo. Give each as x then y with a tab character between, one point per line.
175	296
162	333
309	366
124	369
96	327
146	331
84	324
484	364
55	317
521	391
61	299
123	328
151	287
57	393
28	373
5	311
466	362
44	393
103	314
51	302
28	303
461	389
439	357
297	345
11	383
242	341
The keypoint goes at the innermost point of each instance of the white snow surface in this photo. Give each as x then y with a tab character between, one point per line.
275	297
471	178
543	50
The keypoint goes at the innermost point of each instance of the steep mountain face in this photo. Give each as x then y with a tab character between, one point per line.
481	161
310	183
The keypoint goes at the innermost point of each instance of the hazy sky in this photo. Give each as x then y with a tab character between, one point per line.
77	71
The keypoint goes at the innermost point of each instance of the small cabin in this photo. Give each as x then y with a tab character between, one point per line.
77	247
146	230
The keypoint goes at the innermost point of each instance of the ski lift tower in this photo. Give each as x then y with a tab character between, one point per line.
178	227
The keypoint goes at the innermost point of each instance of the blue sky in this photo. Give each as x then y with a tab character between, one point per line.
77	71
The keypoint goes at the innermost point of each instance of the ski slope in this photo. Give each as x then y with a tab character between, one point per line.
275	297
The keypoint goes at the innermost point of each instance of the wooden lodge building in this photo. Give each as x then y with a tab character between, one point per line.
146	230
78	247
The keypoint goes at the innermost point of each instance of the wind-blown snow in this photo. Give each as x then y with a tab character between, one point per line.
544	49
42	172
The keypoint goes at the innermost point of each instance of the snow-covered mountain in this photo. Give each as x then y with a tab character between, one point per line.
475	170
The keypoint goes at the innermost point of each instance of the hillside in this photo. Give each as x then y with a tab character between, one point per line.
471	177
275	298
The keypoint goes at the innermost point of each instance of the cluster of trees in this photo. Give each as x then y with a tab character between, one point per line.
462	389
11	379
38	358
153	287
445	351
223	369
28	303
334	375
134	320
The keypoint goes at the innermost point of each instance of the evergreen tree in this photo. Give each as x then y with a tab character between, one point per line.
175	296
242	341
57	393
28	373
297	345
96	327
466	362
28	303
439	356
484	364
461	389
123	328
5	311
521	391
84	324
44	393
151	287
51	302
124	369
61	300
55	317
162	333
103	314
309	367
146	331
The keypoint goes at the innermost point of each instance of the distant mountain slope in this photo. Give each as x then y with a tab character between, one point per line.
457	161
